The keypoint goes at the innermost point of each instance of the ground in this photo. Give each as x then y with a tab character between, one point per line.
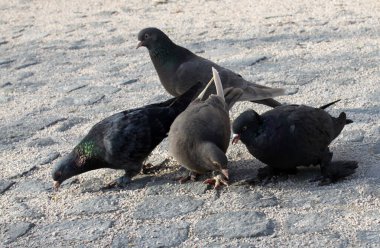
65	65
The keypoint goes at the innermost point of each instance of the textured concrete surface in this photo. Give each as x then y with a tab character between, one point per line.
65	65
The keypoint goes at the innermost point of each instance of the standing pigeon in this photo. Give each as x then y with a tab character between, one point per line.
200	135
293	135
179	68
123	140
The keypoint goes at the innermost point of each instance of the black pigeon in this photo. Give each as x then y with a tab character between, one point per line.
123	140
293	135
200	135
179	68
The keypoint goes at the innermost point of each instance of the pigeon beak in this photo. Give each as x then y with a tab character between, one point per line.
56	185
225	173
235	138
139	44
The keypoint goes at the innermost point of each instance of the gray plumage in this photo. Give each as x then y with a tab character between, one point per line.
199	136
293	135
179	68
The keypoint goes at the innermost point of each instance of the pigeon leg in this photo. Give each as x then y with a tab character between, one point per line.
324	178
193	176
266	175
120	182
123	181
217	181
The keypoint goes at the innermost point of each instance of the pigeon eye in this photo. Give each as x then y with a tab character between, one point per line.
244	128
146	36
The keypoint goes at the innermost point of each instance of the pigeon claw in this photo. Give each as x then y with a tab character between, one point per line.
217	181
121	182
183	180
56	185
191	177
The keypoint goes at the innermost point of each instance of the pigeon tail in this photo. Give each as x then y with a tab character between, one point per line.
329	104
339	123
201	95
218	83
270	102
252	93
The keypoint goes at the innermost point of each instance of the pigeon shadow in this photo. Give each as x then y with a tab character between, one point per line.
246	170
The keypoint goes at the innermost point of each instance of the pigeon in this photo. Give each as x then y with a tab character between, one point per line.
199	137
179	68
289	136
123	140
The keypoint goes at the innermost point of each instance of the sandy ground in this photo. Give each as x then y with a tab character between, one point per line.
69	60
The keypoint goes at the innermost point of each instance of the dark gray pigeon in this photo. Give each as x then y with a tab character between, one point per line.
123	140
199	137
289	136
179	68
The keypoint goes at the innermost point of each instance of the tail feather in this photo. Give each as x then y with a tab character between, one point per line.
252	93
329	104
270	102
218	83
339	123
251	90
348	121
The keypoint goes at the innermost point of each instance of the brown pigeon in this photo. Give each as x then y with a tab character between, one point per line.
199	137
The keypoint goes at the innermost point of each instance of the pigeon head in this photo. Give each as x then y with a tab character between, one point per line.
246	126
67	167
153	38
82	159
